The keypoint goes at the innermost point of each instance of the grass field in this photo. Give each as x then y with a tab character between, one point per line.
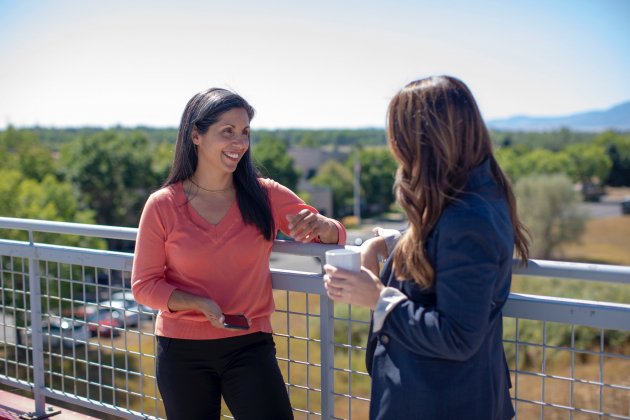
605	240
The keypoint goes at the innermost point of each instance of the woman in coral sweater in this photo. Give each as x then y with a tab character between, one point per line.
202	251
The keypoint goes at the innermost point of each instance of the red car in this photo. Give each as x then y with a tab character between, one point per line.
103	322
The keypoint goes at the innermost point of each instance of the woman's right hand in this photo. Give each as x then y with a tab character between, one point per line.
181	301
212	311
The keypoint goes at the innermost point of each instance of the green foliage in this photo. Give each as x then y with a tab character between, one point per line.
49	199
551	140
617	147
162	160
22	151
339	137
306	197
590	163
113	173
378	170
519	162
31	189
55	138
548	207
542	161
273	161
338	178
309	140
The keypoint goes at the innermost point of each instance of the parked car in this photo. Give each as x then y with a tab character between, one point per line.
105	322
131	313
61	331
130	304
625	205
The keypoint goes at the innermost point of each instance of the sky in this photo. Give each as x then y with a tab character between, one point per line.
304	64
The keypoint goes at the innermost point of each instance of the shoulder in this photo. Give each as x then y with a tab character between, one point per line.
165	193
274	188
269	183
163	198
476	213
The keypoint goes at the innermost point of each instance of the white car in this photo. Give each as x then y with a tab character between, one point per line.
57	331
131	304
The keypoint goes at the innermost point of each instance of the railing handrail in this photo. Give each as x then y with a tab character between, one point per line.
580	312
81	229
609	273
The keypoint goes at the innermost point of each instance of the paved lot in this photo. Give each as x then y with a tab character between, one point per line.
602	209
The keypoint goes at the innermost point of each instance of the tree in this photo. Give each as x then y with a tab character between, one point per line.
162	160
378	170
591	164
113	173
49	199
547	205
22	150
338	178
542	161
509	158
273	161
618	149
309	140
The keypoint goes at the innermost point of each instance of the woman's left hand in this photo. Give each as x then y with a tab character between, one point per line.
357	288
307	226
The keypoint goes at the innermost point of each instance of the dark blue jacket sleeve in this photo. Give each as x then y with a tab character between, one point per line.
467	264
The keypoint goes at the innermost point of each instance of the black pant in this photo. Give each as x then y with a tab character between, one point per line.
193	374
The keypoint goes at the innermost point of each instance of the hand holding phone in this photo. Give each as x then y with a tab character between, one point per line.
237	322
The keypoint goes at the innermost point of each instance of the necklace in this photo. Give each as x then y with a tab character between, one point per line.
212	191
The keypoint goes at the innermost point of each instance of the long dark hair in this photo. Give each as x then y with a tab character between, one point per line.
437	135
203	110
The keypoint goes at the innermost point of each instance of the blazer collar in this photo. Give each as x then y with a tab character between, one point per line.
480	175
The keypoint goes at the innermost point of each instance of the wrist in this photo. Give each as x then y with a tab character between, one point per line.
199	303
376	294
331	233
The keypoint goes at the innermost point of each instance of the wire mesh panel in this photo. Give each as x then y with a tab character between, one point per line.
98	345
298	343
352	383
15	362
563	371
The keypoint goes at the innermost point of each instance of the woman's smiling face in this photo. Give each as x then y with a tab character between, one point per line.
226	141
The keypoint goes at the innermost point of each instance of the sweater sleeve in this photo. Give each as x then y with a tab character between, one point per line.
148	282
285	202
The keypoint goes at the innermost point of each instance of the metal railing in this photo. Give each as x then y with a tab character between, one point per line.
108	366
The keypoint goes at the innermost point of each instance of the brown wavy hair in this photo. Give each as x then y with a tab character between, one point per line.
437	135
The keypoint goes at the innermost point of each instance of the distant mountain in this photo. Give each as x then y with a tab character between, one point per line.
615	118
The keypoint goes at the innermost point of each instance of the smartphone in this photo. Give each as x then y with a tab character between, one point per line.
237	322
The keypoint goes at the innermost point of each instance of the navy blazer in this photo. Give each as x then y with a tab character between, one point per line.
440	354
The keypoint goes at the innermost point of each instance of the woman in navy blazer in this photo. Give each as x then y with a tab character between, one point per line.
435	349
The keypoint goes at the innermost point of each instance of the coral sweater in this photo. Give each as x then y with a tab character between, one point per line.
228	262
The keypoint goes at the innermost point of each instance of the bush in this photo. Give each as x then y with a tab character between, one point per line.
548	205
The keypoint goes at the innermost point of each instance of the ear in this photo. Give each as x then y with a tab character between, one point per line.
196	138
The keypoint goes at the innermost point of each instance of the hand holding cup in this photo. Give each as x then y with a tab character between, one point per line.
346	281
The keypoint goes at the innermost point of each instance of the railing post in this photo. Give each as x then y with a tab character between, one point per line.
326	326
327	334
36	330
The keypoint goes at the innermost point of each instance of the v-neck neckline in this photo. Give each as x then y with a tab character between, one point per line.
216	230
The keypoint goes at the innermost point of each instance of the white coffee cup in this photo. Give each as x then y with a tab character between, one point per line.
348	259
